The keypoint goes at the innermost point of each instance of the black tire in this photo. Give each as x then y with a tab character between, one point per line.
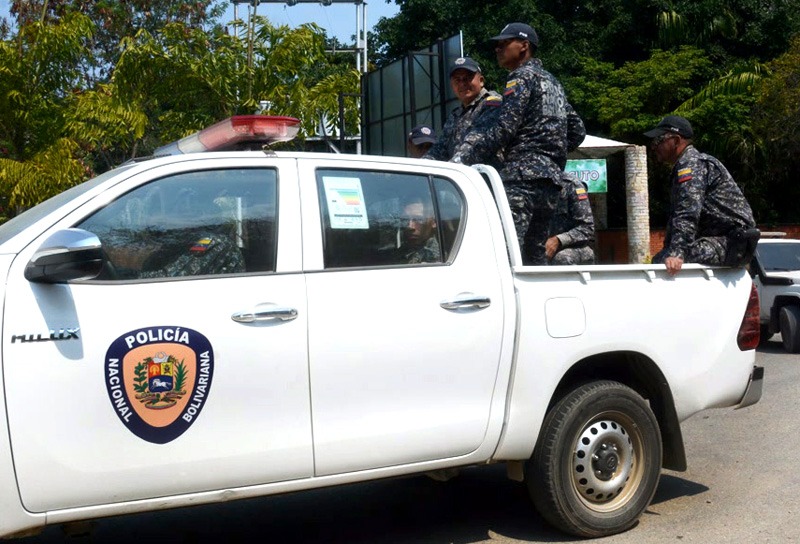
597	462
790	328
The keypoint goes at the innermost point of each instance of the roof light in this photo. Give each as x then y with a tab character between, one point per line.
234	133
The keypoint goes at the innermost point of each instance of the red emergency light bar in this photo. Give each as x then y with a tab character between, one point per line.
234	132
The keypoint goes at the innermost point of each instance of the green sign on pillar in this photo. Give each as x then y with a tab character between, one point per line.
590	171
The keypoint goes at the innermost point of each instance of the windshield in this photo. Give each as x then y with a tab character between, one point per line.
779	257
17	224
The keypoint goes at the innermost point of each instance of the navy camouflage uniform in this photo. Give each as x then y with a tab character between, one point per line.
535	129
427	253
706	208
573	225
462	118
208	253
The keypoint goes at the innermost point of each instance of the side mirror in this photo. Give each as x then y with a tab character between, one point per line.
69	254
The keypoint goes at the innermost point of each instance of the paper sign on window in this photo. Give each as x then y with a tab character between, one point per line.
345	199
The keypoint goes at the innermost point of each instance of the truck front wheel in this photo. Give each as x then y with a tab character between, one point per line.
790	328
597	462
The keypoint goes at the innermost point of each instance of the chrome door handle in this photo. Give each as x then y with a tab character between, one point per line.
466	300
266	312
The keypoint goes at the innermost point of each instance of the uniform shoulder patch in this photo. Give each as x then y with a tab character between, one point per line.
494	101
684	175
511	86
581	194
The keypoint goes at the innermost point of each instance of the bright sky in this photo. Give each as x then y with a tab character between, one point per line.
338	19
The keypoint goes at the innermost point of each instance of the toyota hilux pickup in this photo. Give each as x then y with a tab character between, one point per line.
213	325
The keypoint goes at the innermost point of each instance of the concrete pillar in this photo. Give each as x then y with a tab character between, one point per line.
638	204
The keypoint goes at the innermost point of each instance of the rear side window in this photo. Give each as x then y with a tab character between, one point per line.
202	223
373	218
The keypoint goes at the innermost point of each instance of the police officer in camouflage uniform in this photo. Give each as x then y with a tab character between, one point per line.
535	129
204	253
710	221
195	238
572	226
420	239
467	82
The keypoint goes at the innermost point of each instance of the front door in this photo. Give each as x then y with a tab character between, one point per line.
167	375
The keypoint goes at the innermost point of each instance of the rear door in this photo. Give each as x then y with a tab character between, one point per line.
185	368
405	332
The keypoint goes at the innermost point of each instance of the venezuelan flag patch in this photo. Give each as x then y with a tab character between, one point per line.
202	245
494	101
684	175
511	86
581	194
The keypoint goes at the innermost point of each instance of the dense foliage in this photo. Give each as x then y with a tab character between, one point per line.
88	84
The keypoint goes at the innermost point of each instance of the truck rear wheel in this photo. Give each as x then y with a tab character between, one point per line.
597	462
790	328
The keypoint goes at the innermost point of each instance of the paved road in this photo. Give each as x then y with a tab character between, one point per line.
741	486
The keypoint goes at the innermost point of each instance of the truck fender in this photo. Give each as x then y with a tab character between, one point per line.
641	374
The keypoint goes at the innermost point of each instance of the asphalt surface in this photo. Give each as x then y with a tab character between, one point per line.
741	486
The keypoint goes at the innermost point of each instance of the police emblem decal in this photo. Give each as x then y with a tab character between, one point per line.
158	380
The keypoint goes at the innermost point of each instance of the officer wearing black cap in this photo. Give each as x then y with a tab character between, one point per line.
467	82
420	140
535	129
710	221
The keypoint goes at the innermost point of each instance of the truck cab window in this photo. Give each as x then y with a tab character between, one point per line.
372	218
191	224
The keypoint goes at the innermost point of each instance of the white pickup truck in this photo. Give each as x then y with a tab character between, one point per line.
213	326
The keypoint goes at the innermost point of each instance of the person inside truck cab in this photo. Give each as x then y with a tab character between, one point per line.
420	239
710	221
195	239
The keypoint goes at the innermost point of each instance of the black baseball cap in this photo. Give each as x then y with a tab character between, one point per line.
465	63
422	134
674	124
518	30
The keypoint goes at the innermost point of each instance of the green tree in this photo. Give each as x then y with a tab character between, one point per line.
117	19
628	100
56	129
40	68
219	75
51	171
107	127
776	122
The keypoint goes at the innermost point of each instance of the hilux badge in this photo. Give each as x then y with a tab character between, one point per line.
158	380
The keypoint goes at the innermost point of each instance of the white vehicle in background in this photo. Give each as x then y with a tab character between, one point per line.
776	274
209	326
